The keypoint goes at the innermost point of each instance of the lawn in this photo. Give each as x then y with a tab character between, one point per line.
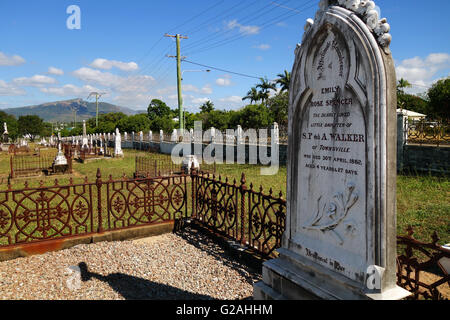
422	201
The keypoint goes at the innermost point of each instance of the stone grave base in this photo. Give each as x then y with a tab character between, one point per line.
293	277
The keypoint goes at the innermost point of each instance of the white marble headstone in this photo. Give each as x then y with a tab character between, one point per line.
341	159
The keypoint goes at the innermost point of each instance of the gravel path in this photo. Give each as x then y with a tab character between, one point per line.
183	266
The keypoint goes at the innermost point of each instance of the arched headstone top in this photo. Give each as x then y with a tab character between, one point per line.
366	10
340	215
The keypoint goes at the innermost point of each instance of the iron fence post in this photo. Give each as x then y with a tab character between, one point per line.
99	200
193	194
11	166
243	190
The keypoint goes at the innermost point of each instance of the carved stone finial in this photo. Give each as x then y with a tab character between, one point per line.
366	10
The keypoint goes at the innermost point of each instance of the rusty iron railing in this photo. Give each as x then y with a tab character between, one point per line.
15	150
233	209
133	202
156	164
41	213
30	165
250	217
423	268
434	133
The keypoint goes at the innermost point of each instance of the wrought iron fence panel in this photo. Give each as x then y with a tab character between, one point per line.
426	132
216	204
23	165
154	166
45	213
267	220
135	202
422	268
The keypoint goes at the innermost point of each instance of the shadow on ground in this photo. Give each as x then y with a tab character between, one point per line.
134	288
203	242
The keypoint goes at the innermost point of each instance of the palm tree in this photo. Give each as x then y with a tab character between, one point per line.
207	107
401	85
253	95
284	80
265	87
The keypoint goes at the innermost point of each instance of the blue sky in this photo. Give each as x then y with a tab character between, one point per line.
120	48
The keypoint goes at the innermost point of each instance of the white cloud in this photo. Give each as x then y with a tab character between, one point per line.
281	24
422	72
246	30
223	82
232	99
167	90
8	89
109	64
263	46
140	100
55	71
34	81
191	88
70	90
10	60
199	100
137	83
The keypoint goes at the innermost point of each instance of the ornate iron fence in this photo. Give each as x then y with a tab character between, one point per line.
250	217
45	213
423	268
29	165
428	133
59	211
155	166
134	202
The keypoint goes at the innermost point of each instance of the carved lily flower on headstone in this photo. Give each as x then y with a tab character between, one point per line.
332	214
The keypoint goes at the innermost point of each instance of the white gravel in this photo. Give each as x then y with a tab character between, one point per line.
183	266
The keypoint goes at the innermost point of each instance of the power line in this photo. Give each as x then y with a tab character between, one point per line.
205	39
203	12
230	12
264	26
222	70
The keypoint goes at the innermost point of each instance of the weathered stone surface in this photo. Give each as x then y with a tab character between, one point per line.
341	161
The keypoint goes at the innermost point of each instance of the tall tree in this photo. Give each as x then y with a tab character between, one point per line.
31	126
265	86
278	107
439	99
284	80
253	95
207	107
402	84
157	109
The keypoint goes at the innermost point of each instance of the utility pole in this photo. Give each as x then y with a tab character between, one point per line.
97	95
180	94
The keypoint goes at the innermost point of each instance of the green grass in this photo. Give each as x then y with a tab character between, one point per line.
422	201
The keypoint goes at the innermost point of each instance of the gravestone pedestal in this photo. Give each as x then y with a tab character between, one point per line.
340	238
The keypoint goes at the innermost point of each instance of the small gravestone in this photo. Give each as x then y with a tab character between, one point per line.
85	137
118	144
5	137
340	238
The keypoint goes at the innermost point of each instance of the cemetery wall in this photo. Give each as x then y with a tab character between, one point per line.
167	147
417	158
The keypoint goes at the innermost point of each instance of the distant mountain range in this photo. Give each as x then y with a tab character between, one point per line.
62	111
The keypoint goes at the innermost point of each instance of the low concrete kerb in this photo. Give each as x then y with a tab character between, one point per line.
41	247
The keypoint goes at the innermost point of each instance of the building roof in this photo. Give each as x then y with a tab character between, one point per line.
411	114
